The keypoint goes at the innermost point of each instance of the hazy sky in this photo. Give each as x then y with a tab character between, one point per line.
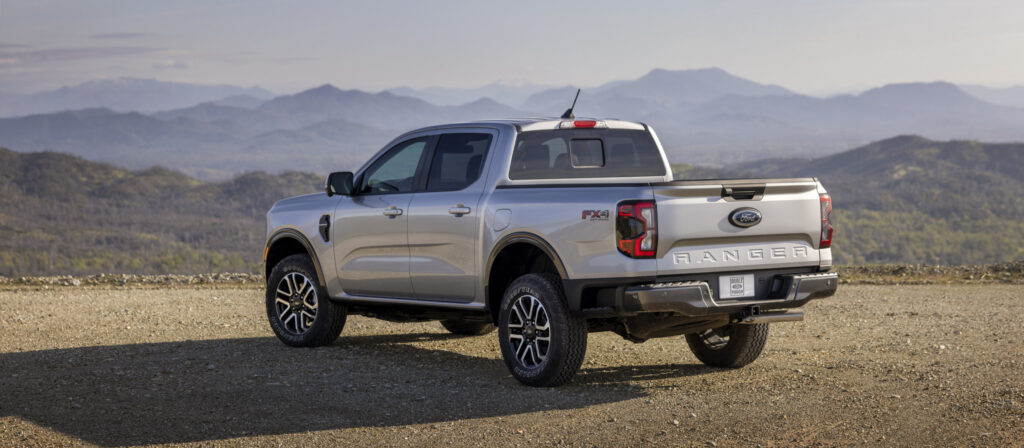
808	46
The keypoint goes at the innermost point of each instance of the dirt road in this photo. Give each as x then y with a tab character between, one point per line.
875	365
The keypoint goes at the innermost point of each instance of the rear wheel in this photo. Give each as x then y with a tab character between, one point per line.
542	343
467	327
730	346
299	310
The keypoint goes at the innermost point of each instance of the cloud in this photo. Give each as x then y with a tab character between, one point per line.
26	56
171	64
120	35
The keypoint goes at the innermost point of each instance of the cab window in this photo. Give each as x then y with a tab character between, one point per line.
458	161
395	171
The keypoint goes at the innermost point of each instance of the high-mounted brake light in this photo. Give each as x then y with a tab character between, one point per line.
582	124
826	226
636	229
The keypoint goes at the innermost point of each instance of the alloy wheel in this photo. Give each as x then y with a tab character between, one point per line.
529	331
296	303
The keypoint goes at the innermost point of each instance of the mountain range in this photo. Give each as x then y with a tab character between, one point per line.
125	95
508	93
703	116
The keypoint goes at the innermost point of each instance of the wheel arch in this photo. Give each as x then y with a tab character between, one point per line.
284	243
514	255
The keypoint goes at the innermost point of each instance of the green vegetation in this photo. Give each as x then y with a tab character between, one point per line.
63	215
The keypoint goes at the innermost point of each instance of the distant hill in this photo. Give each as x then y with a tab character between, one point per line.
208	141
912	200
123	95
323	129
60	214
668	87
709	116
380	110
506	93
1008	96
704	117
658	89
243	101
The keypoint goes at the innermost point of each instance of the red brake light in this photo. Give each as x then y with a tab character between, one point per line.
636	229
826	226
582	124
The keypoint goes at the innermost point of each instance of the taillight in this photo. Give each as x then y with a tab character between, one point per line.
636	229
826	226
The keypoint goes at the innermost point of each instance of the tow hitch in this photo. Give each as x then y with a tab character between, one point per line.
753	315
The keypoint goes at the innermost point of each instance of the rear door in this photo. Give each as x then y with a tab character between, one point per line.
445	220
371	227
703	227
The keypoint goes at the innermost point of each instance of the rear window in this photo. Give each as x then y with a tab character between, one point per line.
580	153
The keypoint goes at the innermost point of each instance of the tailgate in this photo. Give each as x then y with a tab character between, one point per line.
696	234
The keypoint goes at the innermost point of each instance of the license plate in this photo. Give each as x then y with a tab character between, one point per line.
732	286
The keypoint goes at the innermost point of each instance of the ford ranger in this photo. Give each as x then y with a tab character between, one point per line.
547	230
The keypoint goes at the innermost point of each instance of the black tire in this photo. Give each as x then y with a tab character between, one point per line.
467	327
745	343
329	318
555	361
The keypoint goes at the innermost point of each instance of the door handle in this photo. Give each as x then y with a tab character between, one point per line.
392	211
459	210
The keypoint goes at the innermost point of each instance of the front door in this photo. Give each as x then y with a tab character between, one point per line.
371	244
445	220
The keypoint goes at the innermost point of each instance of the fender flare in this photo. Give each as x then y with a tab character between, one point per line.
298	236
523	237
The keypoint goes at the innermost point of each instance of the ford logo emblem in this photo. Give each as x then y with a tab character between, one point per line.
745	217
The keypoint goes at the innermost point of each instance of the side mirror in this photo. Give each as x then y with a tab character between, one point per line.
339	183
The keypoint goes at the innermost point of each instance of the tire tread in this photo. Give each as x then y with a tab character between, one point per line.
568	357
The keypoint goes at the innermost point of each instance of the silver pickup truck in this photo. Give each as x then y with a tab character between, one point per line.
547	230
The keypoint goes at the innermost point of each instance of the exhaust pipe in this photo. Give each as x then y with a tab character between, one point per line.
767	318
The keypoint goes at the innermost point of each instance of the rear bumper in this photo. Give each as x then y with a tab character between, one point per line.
695	298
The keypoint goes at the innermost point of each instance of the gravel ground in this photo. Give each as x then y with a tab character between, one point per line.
875	365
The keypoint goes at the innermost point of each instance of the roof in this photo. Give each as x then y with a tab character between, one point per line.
535	124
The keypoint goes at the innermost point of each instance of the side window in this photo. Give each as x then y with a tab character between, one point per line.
395	171
458	161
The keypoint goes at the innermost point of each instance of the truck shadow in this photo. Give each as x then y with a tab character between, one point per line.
193	391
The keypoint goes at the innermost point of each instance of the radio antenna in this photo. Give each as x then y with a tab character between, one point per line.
568	112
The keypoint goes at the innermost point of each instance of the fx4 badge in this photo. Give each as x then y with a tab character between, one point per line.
595	215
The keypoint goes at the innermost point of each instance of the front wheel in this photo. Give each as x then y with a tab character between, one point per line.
730	346
299	310
542	343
